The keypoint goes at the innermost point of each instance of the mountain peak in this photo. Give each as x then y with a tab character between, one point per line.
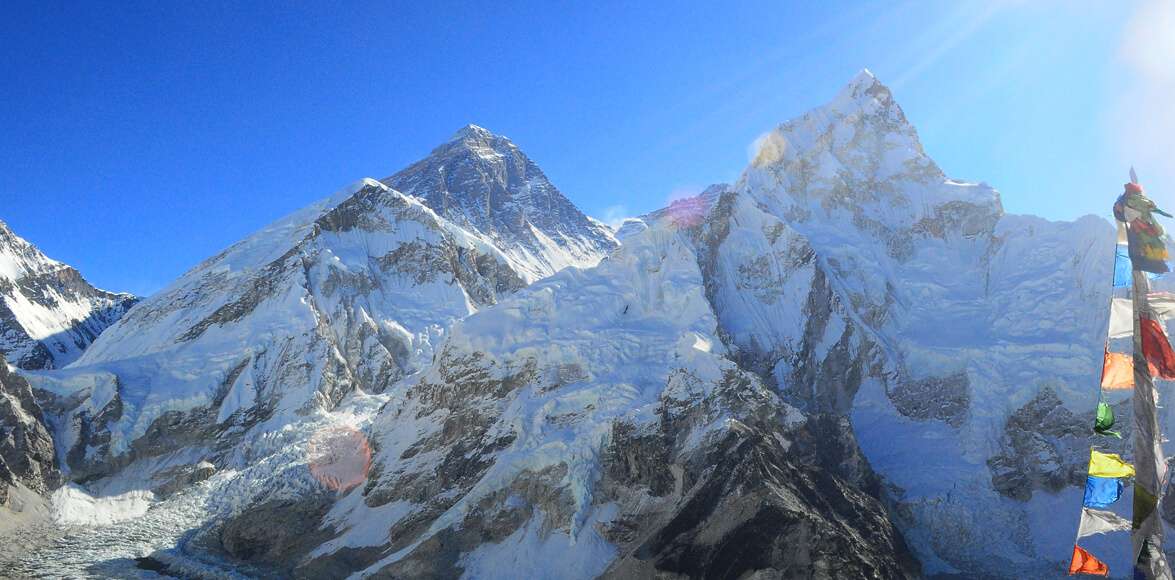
861	82
869	95
863	109
859	152
472	131
49	313
485	183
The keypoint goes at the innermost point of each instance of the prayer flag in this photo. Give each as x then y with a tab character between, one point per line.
1144	505
1117	371
1100	492
1105	420
1108	465
1121	318
1122	266
1157	349
1084	563
1099	522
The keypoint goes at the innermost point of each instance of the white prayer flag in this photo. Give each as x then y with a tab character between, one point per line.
1121	318
1100	521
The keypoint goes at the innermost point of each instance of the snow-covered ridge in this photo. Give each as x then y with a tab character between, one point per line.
348	295
49	314
776	374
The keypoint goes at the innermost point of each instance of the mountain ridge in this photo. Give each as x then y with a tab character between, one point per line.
818	368
49	313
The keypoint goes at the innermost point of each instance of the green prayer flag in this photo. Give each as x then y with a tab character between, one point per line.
1144	505
1105	420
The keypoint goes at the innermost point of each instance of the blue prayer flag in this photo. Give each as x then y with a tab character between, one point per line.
1100	492
1122	266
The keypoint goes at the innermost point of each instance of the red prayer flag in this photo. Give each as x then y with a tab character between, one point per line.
1157	349
1084	563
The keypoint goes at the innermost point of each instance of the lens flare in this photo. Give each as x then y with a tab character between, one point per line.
339	457
686	213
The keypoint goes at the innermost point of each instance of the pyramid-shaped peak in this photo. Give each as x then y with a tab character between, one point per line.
863	91
864	79
485	183
472	131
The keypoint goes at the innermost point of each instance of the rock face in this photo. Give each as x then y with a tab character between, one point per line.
1046	446
26	448
49	314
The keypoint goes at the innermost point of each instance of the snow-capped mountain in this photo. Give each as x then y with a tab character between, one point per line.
845	364
49	314
956	315
351	294
484	183
900	317
882	321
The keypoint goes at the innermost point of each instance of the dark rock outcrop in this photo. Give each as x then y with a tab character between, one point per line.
757	512
268	533
941	398
26	448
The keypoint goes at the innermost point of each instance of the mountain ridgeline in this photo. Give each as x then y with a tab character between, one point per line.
818	371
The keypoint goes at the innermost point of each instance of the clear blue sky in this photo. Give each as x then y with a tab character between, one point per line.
136	139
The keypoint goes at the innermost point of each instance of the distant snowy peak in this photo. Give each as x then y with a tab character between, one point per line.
484	182
49	314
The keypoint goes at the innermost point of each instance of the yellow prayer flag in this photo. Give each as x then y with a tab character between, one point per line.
1108	465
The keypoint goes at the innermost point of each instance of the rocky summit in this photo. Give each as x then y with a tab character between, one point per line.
484	183
817	371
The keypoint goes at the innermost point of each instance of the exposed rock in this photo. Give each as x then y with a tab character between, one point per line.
961	218
755	513
180	477
273	533
940	398
27	454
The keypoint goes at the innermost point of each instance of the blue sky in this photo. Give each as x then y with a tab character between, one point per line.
137	139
